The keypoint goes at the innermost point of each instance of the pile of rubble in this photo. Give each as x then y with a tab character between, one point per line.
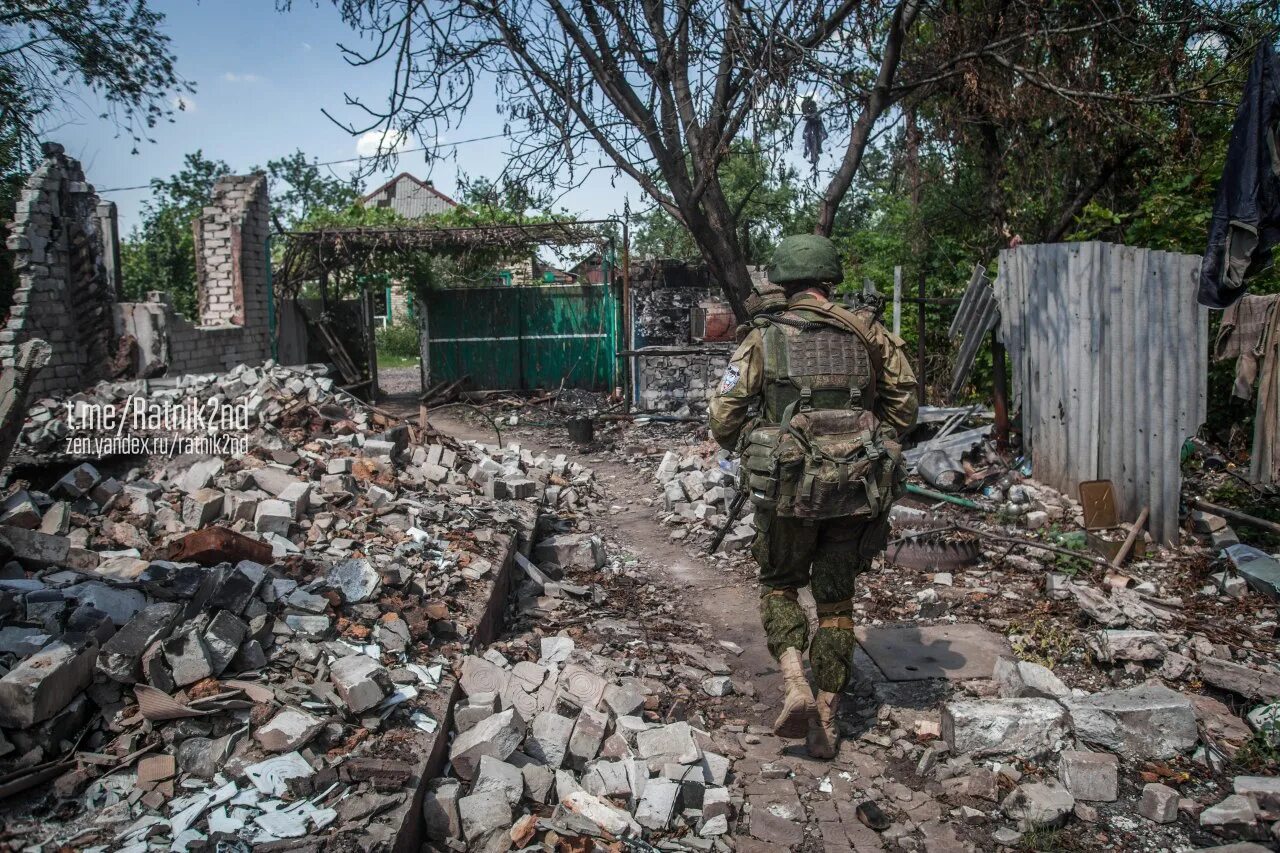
591	722
570	728
196	651
697	488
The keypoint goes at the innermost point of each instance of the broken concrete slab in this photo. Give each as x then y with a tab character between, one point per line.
289	729
588	734
1090	776
672	743
1159	803
355	579
1038	805
118	603
956	652
483	815
223	638
440	809
548	740
571	550
1259	684
1234	817
497	775
1020	679
121	657
360	680
498	736
187	657
1024	727
658	804
1144	722
1121	645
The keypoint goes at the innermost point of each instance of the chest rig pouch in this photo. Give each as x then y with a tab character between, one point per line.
817	451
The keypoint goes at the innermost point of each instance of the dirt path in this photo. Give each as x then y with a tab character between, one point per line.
722	599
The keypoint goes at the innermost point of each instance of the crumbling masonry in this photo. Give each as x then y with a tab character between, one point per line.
64	294
65	243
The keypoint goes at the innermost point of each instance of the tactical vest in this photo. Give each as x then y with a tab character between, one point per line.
811	360
817	451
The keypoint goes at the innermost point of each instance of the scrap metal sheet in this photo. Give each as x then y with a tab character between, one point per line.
1110	367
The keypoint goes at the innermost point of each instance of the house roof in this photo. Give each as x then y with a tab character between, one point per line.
426	185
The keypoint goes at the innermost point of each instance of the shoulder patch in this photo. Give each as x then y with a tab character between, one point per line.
730	381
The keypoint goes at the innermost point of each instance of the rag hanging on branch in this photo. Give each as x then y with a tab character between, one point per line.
814	132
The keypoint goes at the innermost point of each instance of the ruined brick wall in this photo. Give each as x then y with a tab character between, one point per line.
65	246
65	293
668	383
232	279
230	238
664	294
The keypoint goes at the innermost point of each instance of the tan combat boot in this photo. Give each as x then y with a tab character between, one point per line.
824	738
797	705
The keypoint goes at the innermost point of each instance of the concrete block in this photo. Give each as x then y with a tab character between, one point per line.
202	508
1159	803
1090	776
1023	727
289	729
361	681
1140	723
548	740
498	736
121	657
45	683
187	657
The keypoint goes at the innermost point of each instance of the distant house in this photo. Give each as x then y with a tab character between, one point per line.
410	197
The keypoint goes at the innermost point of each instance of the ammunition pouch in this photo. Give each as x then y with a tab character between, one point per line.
824	463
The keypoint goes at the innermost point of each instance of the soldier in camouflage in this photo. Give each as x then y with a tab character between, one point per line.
817	358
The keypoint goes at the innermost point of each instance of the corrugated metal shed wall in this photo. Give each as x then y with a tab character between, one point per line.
1110	363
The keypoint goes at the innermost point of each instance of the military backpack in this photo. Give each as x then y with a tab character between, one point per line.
818	451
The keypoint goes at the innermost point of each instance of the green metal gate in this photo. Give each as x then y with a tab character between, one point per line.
523	337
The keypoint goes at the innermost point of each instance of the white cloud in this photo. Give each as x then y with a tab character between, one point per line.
375	142
233	77
183	103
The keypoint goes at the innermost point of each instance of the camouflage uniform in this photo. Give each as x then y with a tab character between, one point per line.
826	555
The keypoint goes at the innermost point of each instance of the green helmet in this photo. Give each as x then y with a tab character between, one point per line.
806	257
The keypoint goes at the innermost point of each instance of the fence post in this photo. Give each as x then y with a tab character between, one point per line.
897	301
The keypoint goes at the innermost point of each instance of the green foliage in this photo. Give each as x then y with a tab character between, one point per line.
1044	641
159	254
51	54
1260	754
765	196
398	340
298	188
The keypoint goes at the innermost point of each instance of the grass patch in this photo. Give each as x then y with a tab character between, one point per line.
1045	839
386	360
1043	642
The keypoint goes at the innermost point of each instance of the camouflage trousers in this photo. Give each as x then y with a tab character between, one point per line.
826	556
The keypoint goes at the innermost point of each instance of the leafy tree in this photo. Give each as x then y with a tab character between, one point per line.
113	48
298	188
763	197
661	92
160	253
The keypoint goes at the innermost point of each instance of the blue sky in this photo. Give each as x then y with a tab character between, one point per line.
262	79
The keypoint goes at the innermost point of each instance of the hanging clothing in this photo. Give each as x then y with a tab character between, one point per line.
1242	336
1246	214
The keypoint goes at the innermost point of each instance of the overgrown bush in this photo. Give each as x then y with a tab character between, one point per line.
399	340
